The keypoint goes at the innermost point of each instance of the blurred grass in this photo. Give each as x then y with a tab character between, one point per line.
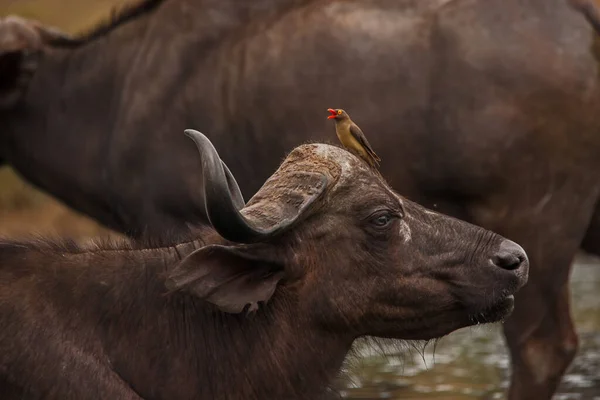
72	16
23	209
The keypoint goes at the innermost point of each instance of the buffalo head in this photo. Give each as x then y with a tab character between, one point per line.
327	236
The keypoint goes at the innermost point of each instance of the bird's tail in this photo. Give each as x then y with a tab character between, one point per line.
373	161
374	156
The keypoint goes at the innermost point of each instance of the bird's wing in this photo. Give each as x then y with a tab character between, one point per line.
360	136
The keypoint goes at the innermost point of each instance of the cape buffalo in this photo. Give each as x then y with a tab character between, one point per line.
487	110
323	254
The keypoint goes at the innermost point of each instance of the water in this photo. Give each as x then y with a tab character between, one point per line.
473	363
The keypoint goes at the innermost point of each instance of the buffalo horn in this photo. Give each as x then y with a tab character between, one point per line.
223	198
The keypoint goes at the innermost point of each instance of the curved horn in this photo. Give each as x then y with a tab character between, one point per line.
234	189
223	198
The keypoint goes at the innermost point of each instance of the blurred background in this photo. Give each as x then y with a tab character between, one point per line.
23	209
469	364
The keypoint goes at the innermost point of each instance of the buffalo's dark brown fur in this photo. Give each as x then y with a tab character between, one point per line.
485	109
96	321
127	340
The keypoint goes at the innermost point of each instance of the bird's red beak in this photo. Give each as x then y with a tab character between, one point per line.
333	113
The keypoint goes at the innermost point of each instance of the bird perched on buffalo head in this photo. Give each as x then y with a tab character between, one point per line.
352	137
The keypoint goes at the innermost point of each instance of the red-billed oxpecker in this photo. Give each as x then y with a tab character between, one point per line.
352	138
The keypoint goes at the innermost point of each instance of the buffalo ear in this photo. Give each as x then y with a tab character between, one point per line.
22	43
230	277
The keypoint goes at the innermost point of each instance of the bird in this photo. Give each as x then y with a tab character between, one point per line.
352	138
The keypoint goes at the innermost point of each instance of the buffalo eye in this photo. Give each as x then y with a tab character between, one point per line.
382	219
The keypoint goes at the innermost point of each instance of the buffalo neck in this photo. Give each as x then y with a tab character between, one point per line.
92	106
176	346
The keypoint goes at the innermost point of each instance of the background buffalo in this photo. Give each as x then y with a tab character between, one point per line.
548	62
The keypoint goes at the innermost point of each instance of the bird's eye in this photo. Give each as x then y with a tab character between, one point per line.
339	112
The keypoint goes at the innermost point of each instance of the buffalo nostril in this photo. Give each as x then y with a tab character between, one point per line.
510	256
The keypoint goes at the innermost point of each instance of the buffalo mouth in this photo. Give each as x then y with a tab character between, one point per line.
438	323
496	312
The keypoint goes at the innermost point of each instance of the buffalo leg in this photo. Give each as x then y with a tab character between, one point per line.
542	340
591	241
104	385
87	383
46	365
540	332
